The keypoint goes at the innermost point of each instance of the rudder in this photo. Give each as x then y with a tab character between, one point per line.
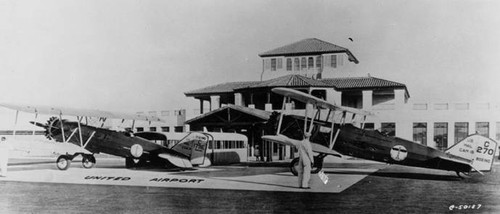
478	149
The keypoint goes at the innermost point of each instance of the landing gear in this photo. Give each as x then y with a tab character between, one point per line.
88	161
64	161
318	165
463	175
133	163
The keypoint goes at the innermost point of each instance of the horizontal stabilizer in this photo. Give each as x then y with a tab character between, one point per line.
181	162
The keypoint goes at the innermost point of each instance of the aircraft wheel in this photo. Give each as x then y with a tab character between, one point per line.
130	163
63	162
294	167
463	174
88	161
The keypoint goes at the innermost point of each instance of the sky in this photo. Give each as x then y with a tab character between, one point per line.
141	55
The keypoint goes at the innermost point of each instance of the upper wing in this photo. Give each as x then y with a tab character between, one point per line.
281	139
307	98
78	112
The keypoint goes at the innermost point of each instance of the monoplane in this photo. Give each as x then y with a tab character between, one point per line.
138	149
475	153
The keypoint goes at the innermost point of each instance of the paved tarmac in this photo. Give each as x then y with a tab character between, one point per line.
36	186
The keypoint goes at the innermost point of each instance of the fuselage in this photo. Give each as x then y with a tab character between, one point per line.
373	145
104	140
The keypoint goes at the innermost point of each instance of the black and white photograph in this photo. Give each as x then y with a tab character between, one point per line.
227	106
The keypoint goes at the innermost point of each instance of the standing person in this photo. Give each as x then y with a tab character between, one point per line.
4	156
306	159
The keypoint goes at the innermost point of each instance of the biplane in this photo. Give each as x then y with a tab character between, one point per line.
475	153
138	149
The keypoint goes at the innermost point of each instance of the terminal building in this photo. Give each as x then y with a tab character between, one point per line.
327	71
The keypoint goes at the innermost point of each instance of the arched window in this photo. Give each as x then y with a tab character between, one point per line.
318	62
303	63
288	64
310	62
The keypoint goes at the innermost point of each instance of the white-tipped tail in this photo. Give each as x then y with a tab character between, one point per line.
478	149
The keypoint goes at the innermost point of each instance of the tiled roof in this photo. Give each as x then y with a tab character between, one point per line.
228	87
361	82
308	46
300	81
288	81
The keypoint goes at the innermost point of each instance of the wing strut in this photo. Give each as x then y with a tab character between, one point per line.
80	129
15	123
71	135
281	115
62	127
88	140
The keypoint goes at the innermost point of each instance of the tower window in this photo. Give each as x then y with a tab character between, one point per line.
288	64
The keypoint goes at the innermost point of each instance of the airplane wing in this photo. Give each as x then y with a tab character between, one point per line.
281	139
307	98
78	112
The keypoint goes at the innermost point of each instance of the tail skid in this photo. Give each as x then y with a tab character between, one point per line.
477	149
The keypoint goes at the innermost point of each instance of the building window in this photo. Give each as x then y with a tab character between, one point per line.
267	64
498	131
369	126
165	129
296	66
461	131
153	129
420	133
318	62
388	129
303	63
441	135
273	64
280	64
310	62
179	129
288	64
165	113
483	129
140	129
333	62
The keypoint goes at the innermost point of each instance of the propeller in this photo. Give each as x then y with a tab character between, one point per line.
52	127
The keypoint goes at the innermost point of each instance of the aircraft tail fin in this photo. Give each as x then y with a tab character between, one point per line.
478	150
194	146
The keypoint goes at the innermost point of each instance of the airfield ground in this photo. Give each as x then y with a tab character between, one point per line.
36	186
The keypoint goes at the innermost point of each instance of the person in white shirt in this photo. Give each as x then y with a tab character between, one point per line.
4	156
306	159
